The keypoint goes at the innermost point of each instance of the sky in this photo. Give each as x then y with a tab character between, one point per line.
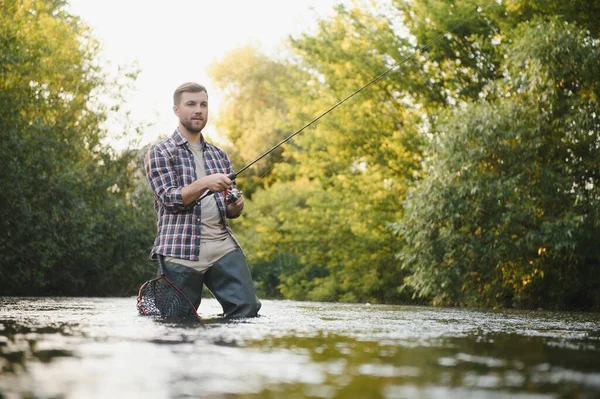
172	42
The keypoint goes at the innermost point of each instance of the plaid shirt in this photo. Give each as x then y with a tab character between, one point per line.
169	167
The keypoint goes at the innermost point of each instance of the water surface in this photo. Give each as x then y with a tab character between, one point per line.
101	348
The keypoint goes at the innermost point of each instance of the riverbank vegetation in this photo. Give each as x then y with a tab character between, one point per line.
71	219
468	176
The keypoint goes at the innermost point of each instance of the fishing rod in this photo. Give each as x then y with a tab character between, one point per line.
234	175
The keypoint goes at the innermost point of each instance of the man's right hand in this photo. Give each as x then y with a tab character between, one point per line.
217	182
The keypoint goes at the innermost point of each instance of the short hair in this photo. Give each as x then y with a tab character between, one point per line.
188	87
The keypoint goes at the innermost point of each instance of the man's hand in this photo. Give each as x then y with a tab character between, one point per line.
216	183
234	209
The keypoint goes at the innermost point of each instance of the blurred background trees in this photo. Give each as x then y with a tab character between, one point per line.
73	220
468	176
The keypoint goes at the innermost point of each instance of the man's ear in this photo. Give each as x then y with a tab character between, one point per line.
176	110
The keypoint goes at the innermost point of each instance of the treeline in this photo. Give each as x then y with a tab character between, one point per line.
469	176
73	218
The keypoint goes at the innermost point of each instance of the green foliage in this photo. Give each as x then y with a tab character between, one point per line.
71	220
508	212
329	205
490	115
468	175
255	111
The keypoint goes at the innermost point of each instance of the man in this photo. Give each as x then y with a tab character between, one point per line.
194	244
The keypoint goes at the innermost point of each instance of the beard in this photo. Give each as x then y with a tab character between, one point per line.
193	128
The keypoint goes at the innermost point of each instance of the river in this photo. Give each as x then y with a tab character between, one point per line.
100	348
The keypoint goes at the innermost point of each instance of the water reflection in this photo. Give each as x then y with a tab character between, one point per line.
91	347
510	363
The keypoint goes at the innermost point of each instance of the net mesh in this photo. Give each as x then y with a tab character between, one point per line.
160	297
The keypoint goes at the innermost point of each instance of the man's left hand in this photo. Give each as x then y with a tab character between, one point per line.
234	209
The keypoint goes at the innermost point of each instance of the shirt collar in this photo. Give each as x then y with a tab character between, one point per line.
180	140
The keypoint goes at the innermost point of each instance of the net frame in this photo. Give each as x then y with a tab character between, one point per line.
161	297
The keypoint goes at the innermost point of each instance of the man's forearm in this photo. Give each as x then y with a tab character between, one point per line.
192	192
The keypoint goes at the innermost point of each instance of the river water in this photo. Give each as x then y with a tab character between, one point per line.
100	348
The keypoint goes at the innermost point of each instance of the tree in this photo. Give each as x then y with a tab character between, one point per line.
70	222
484	115
255	113
508	212
329	204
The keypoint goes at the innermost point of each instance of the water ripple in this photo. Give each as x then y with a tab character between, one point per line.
100	347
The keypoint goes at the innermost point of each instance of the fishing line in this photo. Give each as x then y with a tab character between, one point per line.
233	176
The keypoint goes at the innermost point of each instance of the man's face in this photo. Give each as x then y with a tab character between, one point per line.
192	111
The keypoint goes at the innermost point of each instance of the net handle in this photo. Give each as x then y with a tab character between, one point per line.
161	265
